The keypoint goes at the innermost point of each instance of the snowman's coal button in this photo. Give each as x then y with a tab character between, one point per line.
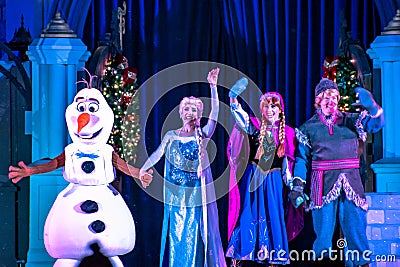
89	206
87	166
97	226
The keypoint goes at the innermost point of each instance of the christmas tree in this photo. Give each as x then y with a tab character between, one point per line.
120	90
342	71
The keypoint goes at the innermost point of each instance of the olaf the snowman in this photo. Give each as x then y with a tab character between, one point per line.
89	211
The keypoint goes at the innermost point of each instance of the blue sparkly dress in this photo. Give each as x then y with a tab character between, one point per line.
186	239
182	208
190	232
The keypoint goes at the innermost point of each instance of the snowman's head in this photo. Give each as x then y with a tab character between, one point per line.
89	118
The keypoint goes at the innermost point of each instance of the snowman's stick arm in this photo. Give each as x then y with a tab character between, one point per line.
17	173
124	167
120	164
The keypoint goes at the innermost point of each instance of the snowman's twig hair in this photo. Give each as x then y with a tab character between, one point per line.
88	84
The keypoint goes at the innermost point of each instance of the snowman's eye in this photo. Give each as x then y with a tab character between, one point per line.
81	107
93	107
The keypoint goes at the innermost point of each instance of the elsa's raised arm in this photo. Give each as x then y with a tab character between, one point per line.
212	78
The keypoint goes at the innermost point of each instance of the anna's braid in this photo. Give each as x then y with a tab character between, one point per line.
263	131
282	136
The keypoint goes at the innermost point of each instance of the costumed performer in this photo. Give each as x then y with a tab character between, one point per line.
328	152
89	212
190	231
265	148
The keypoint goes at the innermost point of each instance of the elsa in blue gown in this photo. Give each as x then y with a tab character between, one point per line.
190	233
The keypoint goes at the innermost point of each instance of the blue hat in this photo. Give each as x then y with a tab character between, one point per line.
324	85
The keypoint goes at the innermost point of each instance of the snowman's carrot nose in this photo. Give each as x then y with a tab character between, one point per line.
83	120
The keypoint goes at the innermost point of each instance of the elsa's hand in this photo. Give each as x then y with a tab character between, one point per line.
212	77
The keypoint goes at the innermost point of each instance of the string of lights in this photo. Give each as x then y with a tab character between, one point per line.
120	90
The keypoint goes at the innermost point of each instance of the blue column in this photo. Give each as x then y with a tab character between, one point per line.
385	53
55	62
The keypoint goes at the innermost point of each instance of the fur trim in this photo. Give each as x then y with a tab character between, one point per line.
302	138
341	183
360	127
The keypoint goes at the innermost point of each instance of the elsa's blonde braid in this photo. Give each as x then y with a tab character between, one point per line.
199	138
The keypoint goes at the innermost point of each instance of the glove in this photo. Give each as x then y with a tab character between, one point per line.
296	195
367	100
238	87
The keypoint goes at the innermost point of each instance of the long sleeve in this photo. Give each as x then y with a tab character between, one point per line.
303	157
157	154
286	172
373	124
364	122
241	117
209	129
290	155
